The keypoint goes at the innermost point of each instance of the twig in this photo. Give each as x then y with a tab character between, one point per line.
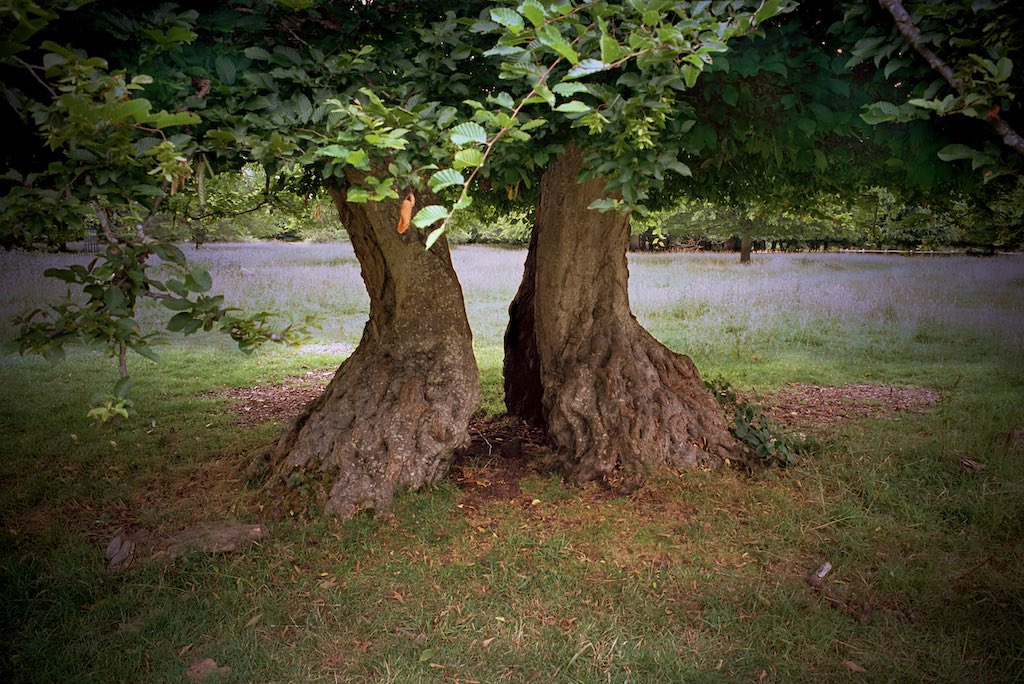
32	70
104	219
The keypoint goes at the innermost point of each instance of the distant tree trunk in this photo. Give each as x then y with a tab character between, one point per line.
745	243
400	405
617	403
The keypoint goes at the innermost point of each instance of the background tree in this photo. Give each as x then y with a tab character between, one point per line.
109	159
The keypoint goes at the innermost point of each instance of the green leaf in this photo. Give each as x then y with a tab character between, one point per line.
122	386
611	51
533	123
690	75
183	322
114	299
446	178
604	205
169	252
541	94
52	59
503	99
178	304
357	195
202	278
566	89
166	120
768	10
468	132
179	34
587	67
730	95
146	351
679	167
534	11
820	160
334	151
429	215
433	237
225	70
256	53
468	158
359	159
138	109
508	18
1003	69
954	152
64	274
573	107
549	35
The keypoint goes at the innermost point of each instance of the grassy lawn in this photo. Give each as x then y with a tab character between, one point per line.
695	578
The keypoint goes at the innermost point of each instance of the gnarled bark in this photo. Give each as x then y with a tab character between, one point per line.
617	403
399	406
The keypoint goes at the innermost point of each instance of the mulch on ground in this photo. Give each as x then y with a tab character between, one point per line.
280	401
810	408
503	451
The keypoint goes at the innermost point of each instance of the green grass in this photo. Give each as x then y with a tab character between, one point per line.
697	578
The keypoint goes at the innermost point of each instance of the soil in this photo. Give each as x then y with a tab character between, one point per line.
816	409
503	451
282	401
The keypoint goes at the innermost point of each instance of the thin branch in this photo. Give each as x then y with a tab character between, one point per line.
906	26
213	214
104	218
32	70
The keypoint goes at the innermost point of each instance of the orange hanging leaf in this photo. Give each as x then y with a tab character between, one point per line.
406	214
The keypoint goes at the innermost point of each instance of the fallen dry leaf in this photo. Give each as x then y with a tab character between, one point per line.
972	465
203	669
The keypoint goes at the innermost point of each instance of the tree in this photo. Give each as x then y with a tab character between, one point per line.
615	402
397	111
110	159
285	94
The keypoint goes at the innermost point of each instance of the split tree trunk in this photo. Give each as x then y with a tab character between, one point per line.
523	391
396	410
617	403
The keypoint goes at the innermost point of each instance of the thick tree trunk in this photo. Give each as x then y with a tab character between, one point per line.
745	243
397	408
617	403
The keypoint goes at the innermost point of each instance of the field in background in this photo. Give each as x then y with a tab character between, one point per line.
698	579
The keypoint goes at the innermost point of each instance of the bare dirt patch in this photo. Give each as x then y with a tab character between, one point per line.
502	451
811	408
282	401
